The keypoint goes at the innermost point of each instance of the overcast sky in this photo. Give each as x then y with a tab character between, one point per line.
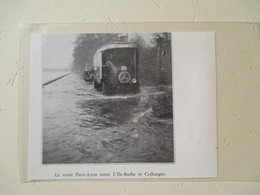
57	50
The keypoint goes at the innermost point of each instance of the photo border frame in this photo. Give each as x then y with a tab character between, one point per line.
169	173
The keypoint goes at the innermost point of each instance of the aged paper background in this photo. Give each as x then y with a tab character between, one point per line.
246	114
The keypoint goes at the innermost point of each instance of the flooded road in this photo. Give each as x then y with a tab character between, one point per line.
81	125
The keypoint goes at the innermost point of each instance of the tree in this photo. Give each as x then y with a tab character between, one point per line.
163	44
86	46
165	36
137	38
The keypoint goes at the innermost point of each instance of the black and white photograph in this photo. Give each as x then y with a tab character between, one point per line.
107	98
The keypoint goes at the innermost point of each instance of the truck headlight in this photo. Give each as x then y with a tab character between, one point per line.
134	81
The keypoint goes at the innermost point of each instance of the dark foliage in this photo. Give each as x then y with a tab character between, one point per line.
86	46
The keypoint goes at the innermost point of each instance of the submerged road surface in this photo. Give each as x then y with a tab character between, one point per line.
81	125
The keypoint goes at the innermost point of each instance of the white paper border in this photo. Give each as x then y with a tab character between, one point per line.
195	135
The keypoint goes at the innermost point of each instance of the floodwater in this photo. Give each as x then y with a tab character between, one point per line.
81	125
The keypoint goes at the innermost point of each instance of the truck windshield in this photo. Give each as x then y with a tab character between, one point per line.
121	57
